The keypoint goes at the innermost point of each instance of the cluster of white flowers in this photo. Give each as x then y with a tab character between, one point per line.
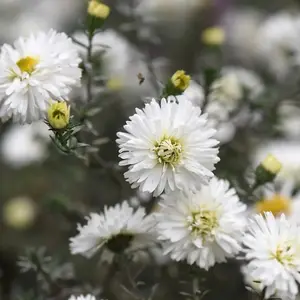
170	150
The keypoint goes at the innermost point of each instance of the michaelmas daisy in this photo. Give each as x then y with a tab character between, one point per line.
119	228
272	247
203	228
35	70
168	146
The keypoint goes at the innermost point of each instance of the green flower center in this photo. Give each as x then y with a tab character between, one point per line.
202	223
283	255
168	150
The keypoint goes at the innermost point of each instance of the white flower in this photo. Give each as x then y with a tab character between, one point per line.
272	247
119	228
37	69
23	145
289	121
287	152
278	42
168	146
203	228
81	297
279	200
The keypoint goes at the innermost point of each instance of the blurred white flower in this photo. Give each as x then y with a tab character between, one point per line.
278	200
287	152
272	248
153	11
20	18
37	69
289	120
120	61
82	297
23	145
241	28
278	42
203	228
118	229
168	146
19	212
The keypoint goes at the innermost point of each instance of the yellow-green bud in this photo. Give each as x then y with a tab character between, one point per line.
267	170
271	164
180	80
59	115
213	36
98	9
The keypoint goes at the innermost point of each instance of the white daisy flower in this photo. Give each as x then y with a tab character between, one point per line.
37	69
272	247
119	228
168	146
287	152
82	297
202	228
278	43
279	200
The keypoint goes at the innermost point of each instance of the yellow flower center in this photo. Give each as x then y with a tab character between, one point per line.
277	204
202	223
28	64
168	150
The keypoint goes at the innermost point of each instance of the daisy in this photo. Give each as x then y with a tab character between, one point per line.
272	247
118	229
279	201
81	297
278	43
34	70
168	146
203	228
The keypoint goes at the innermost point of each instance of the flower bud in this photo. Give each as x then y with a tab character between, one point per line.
98	9
59	115
272	164
180	80
213	36
267	170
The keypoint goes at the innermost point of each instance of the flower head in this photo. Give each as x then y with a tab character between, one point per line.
98	9
59	115
38	68
168	146
118	228
272	247
203	228
180	80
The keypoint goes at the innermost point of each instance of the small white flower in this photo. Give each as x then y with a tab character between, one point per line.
168	146
203	228
82	297
278	43
119	228
272	247
287	152
279	199
34	71
23	145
